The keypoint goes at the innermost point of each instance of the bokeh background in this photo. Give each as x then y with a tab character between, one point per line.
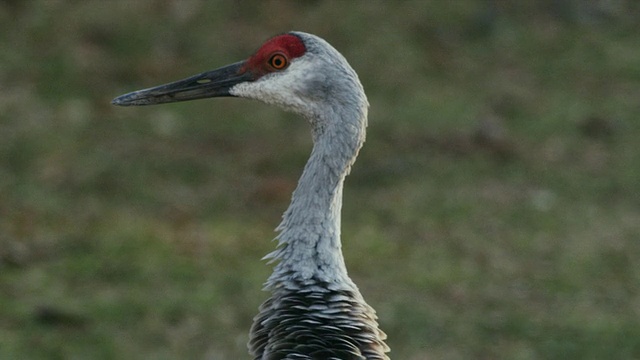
494	212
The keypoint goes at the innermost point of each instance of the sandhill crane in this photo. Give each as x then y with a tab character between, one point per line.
315	310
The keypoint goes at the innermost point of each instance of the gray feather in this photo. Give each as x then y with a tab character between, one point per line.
310	324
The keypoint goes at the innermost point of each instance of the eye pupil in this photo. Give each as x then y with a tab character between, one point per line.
278	61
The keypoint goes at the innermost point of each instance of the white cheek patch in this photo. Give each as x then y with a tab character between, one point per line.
286	89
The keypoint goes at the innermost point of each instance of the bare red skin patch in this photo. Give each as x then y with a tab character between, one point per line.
289	45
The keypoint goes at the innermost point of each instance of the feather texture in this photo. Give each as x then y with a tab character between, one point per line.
312	324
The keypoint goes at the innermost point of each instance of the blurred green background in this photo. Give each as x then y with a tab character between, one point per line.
494	212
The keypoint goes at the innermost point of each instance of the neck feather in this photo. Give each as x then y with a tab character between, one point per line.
309	246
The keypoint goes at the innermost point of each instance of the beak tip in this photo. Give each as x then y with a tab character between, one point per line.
126	100
118	101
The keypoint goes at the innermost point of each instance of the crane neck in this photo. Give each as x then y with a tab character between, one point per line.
309	248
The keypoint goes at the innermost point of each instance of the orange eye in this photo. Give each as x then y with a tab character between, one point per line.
278	61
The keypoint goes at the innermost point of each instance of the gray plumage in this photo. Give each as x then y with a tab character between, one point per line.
316	324
315	311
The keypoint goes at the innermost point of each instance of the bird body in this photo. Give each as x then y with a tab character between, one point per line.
315	310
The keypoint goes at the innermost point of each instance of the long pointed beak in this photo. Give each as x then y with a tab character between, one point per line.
214	83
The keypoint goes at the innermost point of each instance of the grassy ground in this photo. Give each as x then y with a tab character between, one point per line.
494	212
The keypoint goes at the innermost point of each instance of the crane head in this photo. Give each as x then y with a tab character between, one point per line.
297	71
